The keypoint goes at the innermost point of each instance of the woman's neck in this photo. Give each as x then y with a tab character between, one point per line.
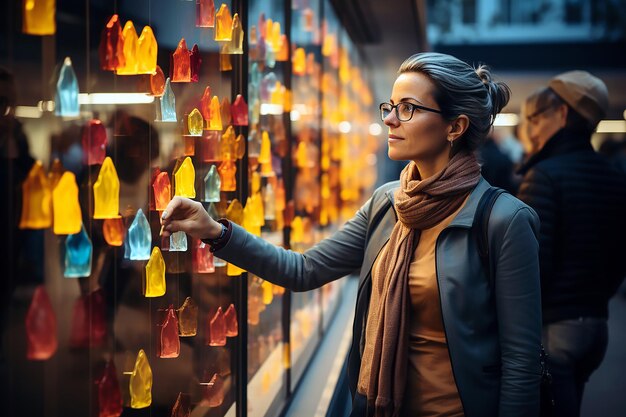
429	167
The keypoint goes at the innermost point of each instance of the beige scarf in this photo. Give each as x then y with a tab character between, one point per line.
420	205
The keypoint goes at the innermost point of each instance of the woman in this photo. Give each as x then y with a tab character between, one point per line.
429	337
580	199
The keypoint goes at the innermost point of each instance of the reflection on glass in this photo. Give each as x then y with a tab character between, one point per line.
195	60
109	392
228	171
94	142
182	406
239	111
205	13
89	321
41	327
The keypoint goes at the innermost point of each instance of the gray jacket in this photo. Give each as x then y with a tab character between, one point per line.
494	345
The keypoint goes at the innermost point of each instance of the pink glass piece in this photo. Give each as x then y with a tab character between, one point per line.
89	321
214	391
194	62
109	393
162	191
217	329
41	327
230	317
203	258
205	13
111	50
239	111
182	407
94	142
169	342
180	68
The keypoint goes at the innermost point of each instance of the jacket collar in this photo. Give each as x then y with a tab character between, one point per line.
564	141
465	217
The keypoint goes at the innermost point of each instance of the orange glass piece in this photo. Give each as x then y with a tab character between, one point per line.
41	327
169	342
225	61
131	41
36	199
89	321
106	192
155	274
94	142
216	331
225	112
157	82
181	64
265	155
223	24
195	123
141	382
205	13
65	206
282	54
147	49
111	49
39	17
228	171
162	191
240	146
205	105
227	146
182	406
234	212
114	231
184	179
109	392
188	318
214	391
230	318
299	62
195	60
203	259
215	115
239	111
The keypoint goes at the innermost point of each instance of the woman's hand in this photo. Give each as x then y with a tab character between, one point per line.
183	214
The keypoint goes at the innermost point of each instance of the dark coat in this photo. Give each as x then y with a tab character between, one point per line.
581	202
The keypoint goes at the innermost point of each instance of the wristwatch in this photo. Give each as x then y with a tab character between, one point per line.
215	241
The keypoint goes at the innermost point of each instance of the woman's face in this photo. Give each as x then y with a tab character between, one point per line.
424	136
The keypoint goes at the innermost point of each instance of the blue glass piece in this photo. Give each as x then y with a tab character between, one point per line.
178	242
168	103
78	253
126	247
212	184
139	238
66	97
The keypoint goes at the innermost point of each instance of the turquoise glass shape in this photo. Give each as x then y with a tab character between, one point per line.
168	103
78	254
66	97
139	238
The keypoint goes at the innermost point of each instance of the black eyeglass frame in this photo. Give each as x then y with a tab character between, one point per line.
413	108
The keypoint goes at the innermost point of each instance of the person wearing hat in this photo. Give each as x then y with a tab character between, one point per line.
581	201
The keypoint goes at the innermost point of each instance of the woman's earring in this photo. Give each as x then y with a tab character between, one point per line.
451	143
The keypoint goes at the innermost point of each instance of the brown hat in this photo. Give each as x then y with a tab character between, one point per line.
584	93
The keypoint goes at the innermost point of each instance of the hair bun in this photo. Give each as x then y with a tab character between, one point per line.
499	92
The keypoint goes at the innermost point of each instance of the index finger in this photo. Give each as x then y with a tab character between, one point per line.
171	208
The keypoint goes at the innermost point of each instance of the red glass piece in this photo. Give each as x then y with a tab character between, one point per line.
41	327
180	69
89	321
162	191
205	13
157	82
194	62
203	258
205	105
182	407
239	111
217	329
169	342
94	142
109	392
230	317
214	391
211	145
111	50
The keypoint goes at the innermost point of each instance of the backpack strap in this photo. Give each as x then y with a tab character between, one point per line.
480	228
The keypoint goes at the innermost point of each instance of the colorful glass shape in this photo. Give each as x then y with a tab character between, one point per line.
195	60
223	24
111	49
182	406
78	254
214	391
195	123
157	82
141	382
215	115
184	179
89	321
178	242
36	199
155	274
41	327
114	231
228	172
205	13
38	17
234	212
94	142
239	111
65	206
106	192
109	392
212	185
162	191
66	97
168	103
169	342
230	318
205	104
203	259
181	64
131	42
147	50
188	318
139	238
225	112
217	329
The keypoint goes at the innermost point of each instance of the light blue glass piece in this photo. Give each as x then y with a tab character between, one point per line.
213	211
178	242
270	57
255	74
140	238
218	262
168	103
212	184
66	97
126	247
78	253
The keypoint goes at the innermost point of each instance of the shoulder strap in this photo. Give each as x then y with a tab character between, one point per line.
480	225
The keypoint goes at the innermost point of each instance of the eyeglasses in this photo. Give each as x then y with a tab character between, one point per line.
532	118
404	110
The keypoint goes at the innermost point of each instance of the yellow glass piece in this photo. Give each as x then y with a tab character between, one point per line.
278	94
236	43
36	199
39	17
227	145
228	171
215	121
106	192
329	44
267	169
185	178
188	318
286	355
248	219
297	230
299	62
131	42
141	382
301	155
257	210
255	183
147	50
233	270
287	100
268	292
274	38
266	32
265	155
155	274
234	212
65	206
223	24
195	123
